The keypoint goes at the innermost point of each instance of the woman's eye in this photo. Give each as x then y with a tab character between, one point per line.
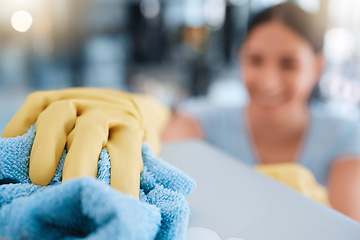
254	60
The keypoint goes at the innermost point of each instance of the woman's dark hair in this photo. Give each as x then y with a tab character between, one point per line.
309	26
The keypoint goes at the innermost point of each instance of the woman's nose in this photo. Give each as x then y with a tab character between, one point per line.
269	80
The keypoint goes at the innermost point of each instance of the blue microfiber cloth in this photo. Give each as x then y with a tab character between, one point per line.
88	208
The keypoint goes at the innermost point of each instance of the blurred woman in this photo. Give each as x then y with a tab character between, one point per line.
281	61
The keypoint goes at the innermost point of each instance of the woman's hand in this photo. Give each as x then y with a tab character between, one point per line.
85	120
344	186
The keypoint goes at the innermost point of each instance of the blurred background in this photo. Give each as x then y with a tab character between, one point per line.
181	51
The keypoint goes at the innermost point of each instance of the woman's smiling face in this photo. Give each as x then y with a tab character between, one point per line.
279	67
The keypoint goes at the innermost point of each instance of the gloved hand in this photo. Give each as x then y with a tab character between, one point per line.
298	178
85	120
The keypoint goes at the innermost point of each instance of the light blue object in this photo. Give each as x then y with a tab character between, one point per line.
328	138
87	208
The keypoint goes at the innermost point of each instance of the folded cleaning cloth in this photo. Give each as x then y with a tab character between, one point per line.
88	208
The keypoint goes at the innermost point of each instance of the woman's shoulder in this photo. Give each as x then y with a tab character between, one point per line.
325	118
339	130
219	121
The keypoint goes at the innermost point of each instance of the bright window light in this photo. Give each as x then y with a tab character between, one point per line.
214	13
21	21
150	8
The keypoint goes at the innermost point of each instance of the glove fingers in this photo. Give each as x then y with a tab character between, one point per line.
26	116
124	148
52	127
84	146
36	102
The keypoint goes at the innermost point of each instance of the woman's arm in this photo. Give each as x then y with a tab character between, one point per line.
182	126
344	186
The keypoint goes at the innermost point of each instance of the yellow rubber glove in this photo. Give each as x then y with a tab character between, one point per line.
85	120
297	177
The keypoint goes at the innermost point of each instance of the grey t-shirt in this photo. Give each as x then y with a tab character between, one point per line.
328	138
